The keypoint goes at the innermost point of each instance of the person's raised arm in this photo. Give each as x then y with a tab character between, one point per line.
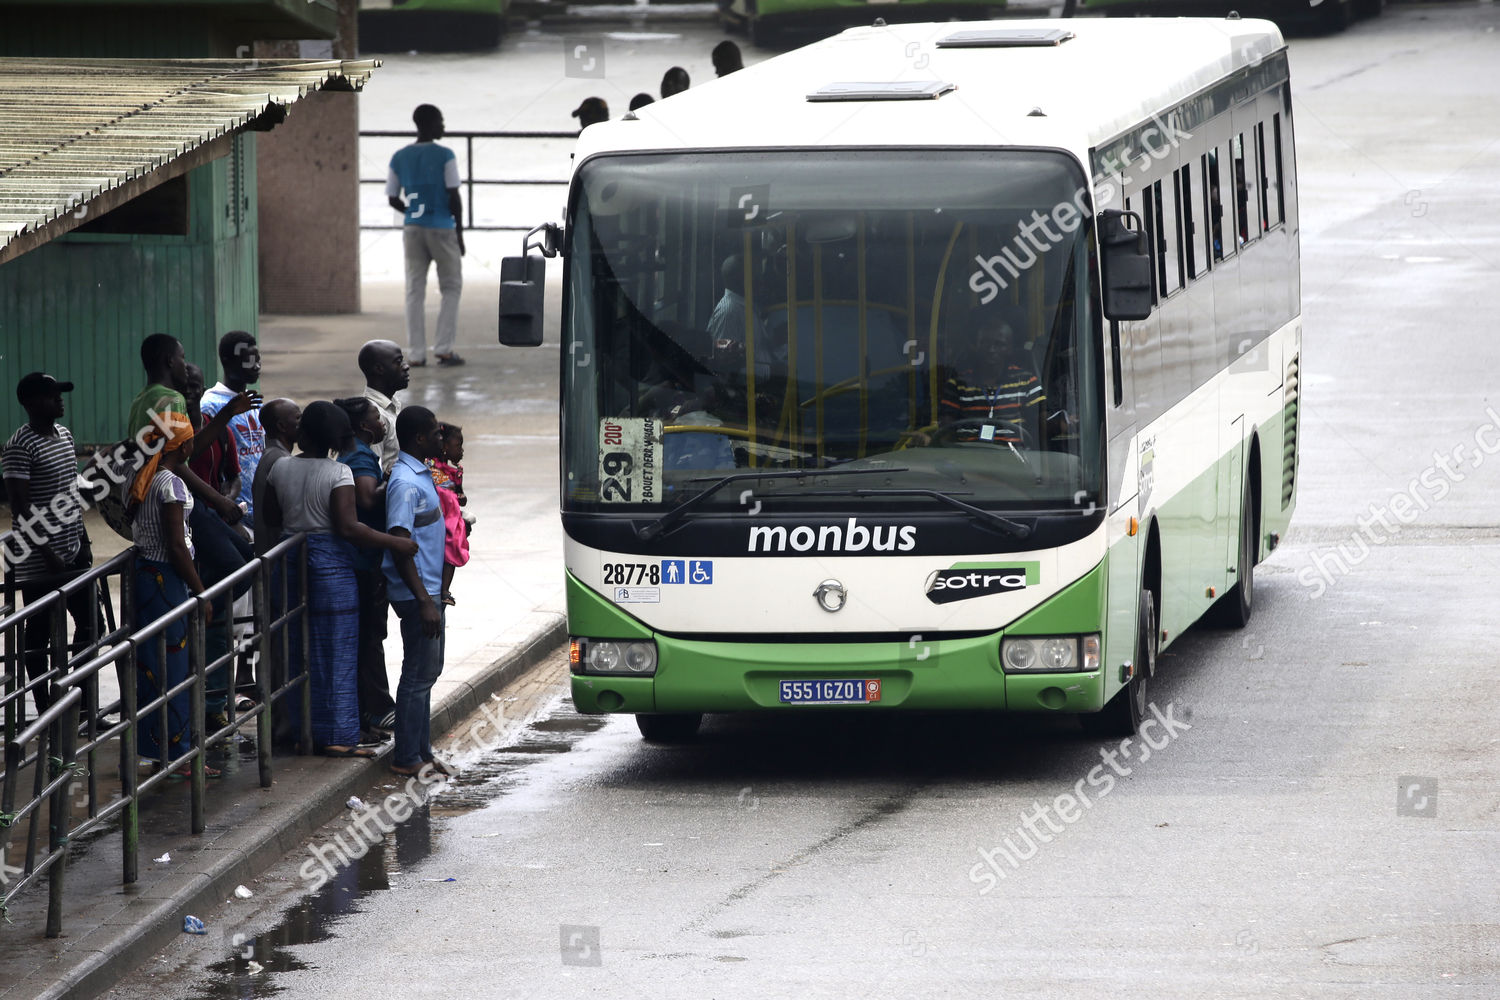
241	402
226	508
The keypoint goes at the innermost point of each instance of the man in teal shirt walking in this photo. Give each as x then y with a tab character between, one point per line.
432	233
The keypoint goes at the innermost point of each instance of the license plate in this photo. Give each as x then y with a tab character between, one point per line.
830	692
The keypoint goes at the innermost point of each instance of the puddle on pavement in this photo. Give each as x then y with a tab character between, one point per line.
496	771
251	968
255	959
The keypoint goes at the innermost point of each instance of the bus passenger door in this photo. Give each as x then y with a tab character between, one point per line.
1126	376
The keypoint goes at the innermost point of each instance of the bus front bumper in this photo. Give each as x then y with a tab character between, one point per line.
702	676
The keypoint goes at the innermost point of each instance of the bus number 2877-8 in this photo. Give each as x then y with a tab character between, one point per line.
631	574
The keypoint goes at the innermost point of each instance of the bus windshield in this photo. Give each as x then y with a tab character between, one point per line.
921	315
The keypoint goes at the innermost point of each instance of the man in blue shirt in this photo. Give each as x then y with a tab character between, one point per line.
412	510
239	356
432	233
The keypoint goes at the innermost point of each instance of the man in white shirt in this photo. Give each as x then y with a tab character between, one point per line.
386	373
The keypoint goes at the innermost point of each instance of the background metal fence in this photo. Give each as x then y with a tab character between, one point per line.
527	150
64	743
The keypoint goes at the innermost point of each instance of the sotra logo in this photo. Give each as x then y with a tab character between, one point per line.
969	580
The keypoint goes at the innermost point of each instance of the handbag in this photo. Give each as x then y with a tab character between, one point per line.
109	476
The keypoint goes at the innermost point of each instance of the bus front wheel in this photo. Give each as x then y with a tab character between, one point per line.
1125	711
669	727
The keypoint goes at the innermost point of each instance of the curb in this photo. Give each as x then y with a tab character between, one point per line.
160	919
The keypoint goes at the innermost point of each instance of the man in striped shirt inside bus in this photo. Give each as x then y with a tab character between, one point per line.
50	546
992	396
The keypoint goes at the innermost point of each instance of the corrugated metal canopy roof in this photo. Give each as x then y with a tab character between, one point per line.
73	130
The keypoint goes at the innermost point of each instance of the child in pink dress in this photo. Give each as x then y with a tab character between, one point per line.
448	477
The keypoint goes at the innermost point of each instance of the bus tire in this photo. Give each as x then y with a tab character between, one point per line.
669	727
1334	16
1123	714
1233	610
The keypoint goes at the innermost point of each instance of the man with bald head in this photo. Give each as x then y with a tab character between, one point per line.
386	373
280	418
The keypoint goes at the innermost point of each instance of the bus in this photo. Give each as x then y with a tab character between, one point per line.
967	386
763	20
1328	16
431	25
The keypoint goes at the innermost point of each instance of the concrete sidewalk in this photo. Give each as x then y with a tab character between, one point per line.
508	619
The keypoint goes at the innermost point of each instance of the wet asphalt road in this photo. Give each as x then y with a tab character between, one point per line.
1325	824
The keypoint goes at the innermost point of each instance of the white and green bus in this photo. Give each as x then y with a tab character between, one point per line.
926	367
764	20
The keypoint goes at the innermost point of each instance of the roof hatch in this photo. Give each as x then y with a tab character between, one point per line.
891	90
1005	38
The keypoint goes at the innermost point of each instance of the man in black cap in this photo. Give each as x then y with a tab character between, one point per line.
50	546
592	111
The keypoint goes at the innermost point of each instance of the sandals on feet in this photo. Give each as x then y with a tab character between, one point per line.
338	751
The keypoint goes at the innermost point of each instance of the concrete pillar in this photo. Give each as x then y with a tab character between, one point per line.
309	189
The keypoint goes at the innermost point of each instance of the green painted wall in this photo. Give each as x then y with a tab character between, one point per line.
79	306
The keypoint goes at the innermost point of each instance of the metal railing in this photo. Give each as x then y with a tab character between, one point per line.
49	749
469	180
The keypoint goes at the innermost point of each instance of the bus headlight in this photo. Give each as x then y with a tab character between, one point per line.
612	656
1050	654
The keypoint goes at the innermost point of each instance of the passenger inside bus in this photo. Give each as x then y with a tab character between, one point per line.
680	391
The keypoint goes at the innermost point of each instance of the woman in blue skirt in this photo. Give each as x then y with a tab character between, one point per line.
314	492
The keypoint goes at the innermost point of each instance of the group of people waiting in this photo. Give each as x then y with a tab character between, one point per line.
726	59
223	476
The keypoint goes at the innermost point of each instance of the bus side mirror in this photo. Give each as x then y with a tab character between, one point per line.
523	280
1125	264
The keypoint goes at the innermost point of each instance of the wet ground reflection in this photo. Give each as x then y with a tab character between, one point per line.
255	960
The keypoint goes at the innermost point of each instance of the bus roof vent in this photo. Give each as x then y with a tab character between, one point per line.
1005	38
890	90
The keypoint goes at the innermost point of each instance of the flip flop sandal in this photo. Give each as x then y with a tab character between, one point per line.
338	751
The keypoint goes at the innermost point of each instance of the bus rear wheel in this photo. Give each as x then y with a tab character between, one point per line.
669	727
1125	711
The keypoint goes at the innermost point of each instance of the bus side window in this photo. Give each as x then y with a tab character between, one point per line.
1270	178
1168	261
1151	222
1243	195
1191	193
1265	186
1220	221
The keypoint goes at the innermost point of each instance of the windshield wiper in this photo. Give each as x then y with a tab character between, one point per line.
665	523
986	517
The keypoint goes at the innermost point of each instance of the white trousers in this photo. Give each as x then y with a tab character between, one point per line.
424	246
